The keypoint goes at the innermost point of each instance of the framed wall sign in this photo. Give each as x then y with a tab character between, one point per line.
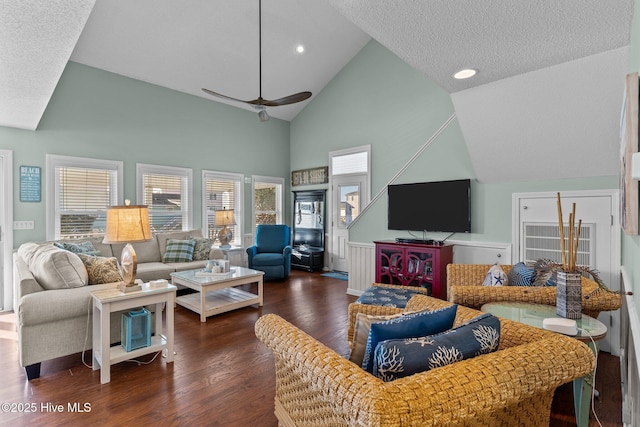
29	183
310	176
629	142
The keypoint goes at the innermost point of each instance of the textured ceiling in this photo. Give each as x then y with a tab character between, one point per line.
36	40
550	72
499	38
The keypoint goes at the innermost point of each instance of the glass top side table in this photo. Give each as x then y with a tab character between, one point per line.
588	329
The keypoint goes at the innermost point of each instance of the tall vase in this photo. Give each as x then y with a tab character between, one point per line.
569	295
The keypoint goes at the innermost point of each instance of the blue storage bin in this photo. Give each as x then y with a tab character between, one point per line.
135	329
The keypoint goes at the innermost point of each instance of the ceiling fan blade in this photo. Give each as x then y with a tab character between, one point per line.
210	92
291	99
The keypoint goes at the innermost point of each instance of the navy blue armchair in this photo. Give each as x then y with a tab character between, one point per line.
272	251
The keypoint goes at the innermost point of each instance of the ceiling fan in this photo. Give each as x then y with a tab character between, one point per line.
260	103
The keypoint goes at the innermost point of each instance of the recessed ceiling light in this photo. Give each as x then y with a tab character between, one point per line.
300	48
465	74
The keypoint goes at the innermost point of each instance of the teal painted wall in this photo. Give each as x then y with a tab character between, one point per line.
378	99
102	115
631	244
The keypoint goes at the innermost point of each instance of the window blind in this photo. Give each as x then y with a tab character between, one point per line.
167	199
83	195
222	191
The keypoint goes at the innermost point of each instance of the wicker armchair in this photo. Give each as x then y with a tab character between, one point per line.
513	386
464	286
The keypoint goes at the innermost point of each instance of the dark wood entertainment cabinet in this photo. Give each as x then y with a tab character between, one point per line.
414	264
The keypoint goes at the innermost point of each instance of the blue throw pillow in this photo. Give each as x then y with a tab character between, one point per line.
521	275
388	297
86	248
408	326
399	358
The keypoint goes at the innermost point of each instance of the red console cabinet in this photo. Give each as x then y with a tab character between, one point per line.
414	264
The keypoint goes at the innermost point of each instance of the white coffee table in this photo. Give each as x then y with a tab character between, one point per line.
218	294
107	301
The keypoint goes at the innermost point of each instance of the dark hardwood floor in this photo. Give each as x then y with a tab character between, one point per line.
222	375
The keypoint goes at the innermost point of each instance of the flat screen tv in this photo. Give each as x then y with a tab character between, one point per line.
431	206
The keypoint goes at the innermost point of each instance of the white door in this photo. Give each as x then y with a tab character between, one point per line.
2	230
6	232
349	194
537	236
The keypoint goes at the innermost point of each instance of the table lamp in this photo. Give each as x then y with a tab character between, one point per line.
223	218
128	224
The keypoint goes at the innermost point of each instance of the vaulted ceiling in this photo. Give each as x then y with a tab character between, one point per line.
542	66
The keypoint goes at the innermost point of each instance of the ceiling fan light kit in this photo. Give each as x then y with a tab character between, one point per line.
261	103
262	113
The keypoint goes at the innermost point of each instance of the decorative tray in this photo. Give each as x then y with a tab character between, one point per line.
203	273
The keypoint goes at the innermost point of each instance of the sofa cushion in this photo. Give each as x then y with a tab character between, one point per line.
52	267
183	266
268	259
101	269
54	305
202	249
145	251
412	325
148	271
399	358
361	334
162	238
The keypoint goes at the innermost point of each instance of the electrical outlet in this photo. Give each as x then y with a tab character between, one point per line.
23	225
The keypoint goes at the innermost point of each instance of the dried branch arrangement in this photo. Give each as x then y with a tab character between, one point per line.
570	253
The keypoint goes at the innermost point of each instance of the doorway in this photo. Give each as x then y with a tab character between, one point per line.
6	229
349	172
536	223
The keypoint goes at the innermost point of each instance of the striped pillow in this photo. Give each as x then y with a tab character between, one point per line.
521	275
179	251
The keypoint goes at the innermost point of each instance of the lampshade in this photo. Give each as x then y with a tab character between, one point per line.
225	217
127	224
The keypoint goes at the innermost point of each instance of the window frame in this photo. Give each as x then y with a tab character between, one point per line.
238	178
279	182
53	163
143	169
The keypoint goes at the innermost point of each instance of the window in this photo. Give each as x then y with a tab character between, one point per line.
78	193
222	191
267	200
167	192
351	163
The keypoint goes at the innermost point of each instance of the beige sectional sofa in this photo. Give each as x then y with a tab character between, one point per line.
53	300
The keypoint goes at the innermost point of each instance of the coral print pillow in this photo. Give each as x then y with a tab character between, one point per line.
403	357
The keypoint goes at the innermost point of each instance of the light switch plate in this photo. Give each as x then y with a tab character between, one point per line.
635	166
23	225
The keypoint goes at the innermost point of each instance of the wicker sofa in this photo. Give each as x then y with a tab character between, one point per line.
315	386
464	286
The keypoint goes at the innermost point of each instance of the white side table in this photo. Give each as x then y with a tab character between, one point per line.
107	301
233	254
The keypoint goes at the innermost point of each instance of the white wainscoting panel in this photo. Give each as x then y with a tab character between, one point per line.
362	267
481	252
630	355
